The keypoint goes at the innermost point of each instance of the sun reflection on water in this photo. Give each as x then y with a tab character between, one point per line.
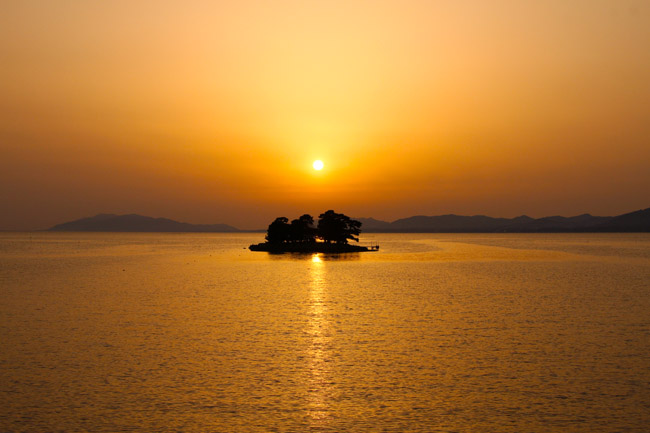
318	353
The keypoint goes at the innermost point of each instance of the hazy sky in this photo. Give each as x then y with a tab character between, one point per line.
208	111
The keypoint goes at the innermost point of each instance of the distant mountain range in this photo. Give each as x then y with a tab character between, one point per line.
638	221
137	223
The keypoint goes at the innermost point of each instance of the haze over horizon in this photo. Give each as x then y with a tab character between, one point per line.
637	221
213	112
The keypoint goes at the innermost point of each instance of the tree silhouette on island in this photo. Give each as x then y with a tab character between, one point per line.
331	235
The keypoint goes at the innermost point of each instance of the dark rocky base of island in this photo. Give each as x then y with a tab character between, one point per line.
315	247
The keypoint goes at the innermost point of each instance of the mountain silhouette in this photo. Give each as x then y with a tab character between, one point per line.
638	221
137	223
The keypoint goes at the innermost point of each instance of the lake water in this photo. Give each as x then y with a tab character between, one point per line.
435	332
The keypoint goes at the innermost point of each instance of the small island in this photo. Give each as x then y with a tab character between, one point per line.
331	235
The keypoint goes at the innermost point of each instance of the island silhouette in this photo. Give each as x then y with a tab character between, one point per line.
331	235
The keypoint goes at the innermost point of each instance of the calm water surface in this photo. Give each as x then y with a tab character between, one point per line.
435	332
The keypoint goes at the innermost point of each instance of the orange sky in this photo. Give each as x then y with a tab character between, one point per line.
207	111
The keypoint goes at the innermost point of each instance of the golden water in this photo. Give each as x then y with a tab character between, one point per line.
435	332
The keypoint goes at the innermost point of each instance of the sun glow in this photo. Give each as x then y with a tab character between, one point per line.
318	165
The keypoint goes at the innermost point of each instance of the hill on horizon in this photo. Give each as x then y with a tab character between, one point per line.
637	221
137	223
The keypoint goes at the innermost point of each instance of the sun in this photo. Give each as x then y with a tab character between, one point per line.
318	164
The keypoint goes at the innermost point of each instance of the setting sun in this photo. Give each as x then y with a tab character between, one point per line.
318	165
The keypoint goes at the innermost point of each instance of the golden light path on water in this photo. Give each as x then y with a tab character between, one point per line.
435	332
318	328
